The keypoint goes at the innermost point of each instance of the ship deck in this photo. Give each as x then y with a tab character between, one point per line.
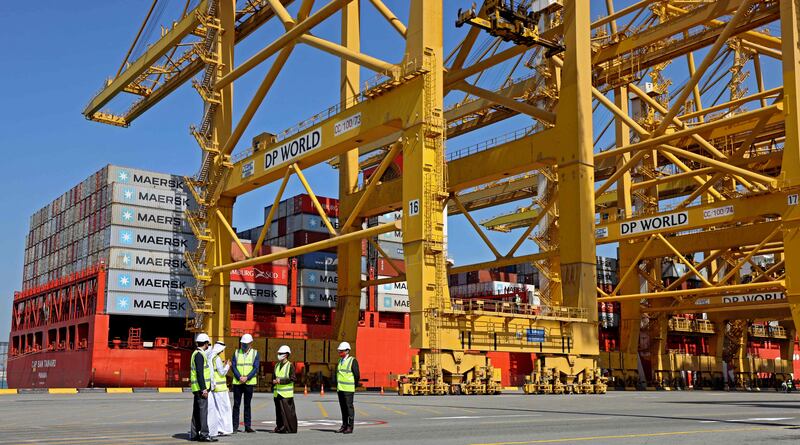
512	418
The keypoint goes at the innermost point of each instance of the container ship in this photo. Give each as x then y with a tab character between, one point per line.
102	300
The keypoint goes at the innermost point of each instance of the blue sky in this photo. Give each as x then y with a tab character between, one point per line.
52	69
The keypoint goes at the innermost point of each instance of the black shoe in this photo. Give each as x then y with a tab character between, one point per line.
341	430
249	430
207	439
237	430
348	430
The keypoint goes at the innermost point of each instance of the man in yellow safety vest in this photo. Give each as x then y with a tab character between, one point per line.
283	393
245	367
347	377
200	378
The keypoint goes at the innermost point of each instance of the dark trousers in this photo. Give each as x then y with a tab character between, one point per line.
199	416
346	405
285	415
238	391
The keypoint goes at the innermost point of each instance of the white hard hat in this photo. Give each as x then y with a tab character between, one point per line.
344	346
202	338
247	338
284	350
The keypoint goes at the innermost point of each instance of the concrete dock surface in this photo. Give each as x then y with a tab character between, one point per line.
707	418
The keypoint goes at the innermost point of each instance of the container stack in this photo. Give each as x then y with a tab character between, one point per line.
608	314
607	273
527	273
393	297
264	283
487	283
390	242
132	221
297	222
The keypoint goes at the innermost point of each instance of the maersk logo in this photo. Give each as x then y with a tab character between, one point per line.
159	305
128	194
123	176
312	222
127	258
123	303
126	236
311	278
387	301
126	214
124	280
255	293
172	263
161	240
160	284
401	286
312	296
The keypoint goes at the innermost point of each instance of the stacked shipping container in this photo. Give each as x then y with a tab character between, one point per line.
131	220
296	223
264	283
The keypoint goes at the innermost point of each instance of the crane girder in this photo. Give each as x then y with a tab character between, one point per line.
719	181
130	80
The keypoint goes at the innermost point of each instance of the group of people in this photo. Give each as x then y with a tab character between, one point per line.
211	410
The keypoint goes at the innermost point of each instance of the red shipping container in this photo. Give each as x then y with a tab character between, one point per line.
303	204
303	238
484	276
236	255
281	227
385	269
262	274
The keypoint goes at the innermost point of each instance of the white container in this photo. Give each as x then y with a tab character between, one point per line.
146	239
326	279
395	236
245	292
132	303
393	303
398	288
147	261
318	297
147	282
392	249
142	178
390	217
176	200
147	218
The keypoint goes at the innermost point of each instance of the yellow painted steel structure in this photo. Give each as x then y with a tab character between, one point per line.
718	181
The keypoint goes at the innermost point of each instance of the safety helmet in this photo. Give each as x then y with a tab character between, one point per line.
247	338
284	350
202	338
344	346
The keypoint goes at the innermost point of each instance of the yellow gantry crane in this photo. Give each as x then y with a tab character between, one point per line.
555	63
698	178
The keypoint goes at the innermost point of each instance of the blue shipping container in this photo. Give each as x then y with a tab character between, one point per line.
318	261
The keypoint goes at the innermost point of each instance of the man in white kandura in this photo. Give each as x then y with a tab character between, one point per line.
220	420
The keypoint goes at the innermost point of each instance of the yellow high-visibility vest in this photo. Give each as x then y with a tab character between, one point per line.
285	390
345	380
244	364
193	373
